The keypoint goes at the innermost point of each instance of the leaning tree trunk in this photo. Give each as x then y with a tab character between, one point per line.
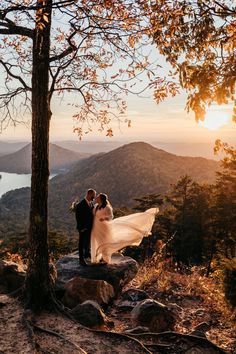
38	285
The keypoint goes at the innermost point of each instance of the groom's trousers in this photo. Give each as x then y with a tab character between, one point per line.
84	244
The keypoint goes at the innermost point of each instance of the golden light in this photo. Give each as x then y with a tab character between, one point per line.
215	119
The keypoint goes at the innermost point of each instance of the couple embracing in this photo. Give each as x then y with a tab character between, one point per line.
105	235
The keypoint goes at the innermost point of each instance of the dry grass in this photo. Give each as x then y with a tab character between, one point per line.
198	298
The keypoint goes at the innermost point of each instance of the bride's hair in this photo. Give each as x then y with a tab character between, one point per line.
104	199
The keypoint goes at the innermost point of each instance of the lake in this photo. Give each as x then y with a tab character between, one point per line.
10	181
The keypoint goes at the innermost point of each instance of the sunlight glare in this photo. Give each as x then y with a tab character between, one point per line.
215	119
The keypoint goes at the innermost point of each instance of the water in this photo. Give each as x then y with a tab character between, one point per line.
10	181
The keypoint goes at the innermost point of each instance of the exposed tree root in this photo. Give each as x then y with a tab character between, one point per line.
120	336
171	338
147	342
27	319
60	309
58	335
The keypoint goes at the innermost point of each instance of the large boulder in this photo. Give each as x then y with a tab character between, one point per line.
154	315
79	290
12	275
119	272
89	314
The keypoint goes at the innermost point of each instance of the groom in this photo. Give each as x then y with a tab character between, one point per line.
84	219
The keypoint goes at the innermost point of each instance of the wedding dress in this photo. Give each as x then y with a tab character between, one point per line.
110	236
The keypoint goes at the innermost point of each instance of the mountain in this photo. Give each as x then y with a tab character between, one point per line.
7	148
92	147
204	149
130	171
20	161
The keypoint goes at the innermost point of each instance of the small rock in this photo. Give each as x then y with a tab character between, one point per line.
125	306
129	299
89	314
154	315
79	290
134	295
199	312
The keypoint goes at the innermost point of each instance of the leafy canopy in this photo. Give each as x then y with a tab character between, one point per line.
99	54
199	38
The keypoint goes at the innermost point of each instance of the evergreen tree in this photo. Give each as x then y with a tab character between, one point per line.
225	219
187	215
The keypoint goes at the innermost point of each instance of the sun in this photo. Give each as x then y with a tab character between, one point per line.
215	119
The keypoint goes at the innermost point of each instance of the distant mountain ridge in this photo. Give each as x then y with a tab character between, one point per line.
133	170
7	148
20	161
194	149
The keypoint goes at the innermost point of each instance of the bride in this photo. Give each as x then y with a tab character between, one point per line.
109	236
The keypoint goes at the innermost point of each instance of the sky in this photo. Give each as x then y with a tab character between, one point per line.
166	122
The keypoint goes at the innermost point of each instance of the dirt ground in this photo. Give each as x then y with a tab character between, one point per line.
55	334
52	333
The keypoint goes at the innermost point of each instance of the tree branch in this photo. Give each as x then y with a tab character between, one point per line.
15	76
11	28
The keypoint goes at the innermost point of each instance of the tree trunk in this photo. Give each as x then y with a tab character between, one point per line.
38	284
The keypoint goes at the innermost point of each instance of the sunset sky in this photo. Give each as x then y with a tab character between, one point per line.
166	122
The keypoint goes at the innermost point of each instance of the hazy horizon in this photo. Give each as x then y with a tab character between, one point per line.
167	122
196	149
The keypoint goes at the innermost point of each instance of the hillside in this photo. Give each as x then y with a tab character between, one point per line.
20	161
7	148
130	171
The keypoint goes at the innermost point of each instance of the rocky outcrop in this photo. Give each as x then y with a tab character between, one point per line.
78	290
119	272
154	315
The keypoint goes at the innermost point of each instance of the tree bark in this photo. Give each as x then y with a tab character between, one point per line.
38	284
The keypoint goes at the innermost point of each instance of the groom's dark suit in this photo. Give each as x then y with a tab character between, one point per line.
84	219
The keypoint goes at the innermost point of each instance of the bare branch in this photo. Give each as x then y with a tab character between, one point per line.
19	78
68	51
